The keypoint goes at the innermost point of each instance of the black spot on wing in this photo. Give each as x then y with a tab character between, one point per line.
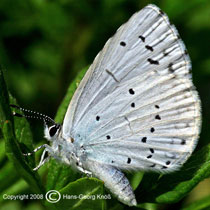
149	47
157	117
151	61
151	150
144	139
183	142
133	105
129	161
149	156
157	107
168	162
152	130
123	44
170	68
165	54
131	91
142	38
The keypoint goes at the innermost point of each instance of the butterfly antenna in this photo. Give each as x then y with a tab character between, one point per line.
33	114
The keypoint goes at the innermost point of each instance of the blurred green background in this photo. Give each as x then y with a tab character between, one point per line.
44	44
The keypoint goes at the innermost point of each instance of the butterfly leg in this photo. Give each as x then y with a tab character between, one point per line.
86	172
80	166
43	160
36	149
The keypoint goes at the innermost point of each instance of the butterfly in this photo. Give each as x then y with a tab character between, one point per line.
135	109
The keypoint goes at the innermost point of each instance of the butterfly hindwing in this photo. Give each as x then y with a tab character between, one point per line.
157	124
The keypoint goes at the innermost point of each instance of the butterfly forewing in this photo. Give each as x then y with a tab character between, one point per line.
136	107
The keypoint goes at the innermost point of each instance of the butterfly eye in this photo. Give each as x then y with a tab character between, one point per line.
53	130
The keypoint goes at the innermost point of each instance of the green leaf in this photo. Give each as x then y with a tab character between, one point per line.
5	180
83	194
201	204
15	156
173	187
148	206
23	135
4	102
135	179
2	149
59	175
12	146
22	129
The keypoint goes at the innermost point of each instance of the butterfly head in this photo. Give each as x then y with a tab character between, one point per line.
51	132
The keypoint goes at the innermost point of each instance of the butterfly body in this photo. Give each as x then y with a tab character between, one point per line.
75	155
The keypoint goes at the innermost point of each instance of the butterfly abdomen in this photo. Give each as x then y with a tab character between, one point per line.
115	181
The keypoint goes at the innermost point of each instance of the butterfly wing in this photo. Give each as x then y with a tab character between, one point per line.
136	107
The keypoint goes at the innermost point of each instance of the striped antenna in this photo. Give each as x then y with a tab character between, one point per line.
33	114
